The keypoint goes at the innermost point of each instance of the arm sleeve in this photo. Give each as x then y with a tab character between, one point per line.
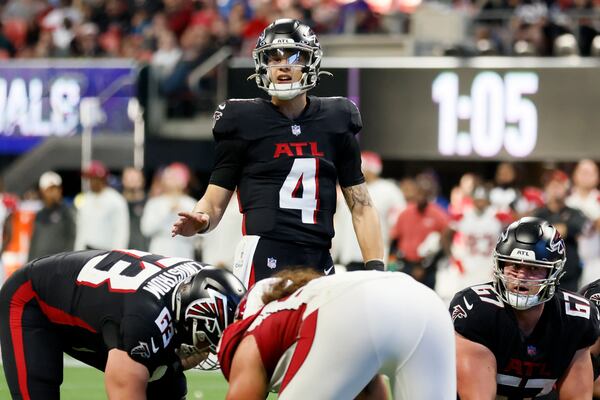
355	118
348	161
229	159
470	323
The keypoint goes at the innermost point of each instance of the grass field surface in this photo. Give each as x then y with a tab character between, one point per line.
82	382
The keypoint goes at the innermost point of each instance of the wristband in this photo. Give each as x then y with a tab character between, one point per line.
207	226
375	265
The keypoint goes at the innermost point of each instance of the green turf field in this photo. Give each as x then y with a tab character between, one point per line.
87	383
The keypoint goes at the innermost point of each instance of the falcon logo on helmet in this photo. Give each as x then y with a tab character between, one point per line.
211	311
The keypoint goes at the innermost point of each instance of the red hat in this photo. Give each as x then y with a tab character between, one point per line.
557	176
371	162
96	169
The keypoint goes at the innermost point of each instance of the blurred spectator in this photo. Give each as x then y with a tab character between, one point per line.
8	204
160	213
85	43
25	10
387	199
460	195
475	233
134	193
586	198
418	233
54	225
167	54
218	245
569	222
504	195
102	215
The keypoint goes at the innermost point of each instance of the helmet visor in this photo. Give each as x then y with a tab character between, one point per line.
285	57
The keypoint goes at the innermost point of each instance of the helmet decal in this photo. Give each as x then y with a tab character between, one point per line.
557	244
210	310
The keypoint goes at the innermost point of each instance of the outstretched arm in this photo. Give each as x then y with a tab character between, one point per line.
124	378
476	370
206	214
365	221
248	379
578	381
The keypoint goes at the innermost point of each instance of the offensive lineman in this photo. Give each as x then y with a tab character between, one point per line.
284	156
520	336
139	317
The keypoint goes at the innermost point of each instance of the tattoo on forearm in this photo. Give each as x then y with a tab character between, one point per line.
357	195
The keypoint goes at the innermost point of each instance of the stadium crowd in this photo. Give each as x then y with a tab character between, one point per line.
442	239
172	34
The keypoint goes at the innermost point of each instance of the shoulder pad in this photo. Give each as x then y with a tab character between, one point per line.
474	313
228	114
343	109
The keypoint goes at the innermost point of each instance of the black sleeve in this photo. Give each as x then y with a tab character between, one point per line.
471	319
145	343
355	124
173	385
110	335
229	160
225	121
592	330
348	161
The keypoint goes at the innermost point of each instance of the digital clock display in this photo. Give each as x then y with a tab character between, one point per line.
546	112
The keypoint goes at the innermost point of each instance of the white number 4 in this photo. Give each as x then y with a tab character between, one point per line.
303	172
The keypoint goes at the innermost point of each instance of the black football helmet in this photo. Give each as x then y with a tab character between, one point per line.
204	305
592	292
529	241
298	45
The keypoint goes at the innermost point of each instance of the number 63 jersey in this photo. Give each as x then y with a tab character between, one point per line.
526	366
286	170
99	300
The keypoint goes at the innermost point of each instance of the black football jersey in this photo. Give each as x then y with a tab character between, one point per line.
526	366
119	299
286	170
592	293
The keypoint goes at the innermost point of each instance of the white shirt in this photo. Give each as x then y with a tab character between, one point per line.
160	213
589	242
102	221
218	246
476	237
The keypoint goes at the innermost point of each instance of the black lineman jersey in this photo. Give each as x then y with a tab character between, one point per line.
286	170
592	293
526	366
120	299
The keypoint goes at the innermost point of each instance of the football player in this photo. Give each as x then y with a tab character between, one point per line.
324	338
520	335
139	317
284	157
592	293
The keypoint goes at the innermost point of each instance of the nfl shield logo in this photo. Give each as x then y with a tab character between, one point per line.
271	262
296	130
531	350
